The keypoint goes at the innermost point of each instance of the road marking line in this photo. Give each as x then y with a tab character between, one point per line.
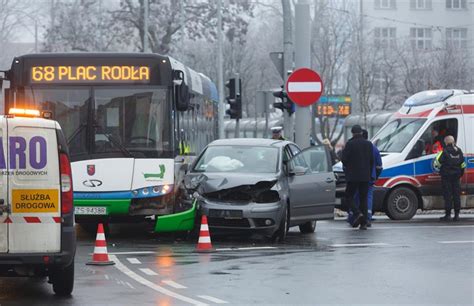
459	241
106	277
341	245
134	261
173	284
212	299
131	253
375	227
130	285
148	271
246	249
119	265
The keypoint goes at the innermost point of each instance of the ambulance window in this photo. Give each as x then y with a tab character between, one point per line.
432	140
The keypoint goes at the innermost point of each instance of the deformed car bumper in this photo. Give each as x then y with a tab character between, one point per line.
242	217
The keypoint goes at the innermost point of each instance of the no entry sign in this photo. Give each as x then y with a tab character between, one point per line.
304	87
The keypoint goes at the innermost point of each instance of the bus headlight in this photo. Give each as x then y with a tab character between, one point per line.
152	191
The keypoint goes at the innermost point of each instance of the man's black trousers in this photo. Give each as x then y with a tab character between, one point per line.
363	189
451	192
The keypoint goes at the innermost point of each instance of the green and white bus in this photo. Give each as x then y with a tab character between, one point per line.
133	123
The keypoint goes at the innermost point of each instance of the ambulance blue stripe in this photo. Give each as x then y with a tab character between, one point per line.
421	167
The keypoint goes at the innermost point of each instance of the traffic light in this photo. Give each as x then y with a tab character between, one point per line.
285	103
234	98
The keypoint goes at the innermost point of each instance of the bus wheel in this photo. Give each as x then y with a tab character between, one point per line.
402	204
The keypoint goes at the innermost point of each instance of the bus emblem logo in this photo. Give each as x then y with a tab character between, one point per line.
91	169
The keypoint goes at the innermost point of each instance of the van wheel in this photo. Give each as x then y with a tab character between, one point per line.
402	204
280	234
308	227
63	280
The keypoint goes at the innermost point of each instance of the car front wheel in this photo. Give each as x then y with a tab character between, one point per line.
280	234
308	227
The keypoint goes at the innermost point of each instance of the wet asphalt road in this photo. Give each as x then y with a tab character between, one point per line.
420	261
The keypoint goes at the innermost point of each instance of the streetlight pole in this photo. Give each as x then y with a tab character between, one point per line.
145	26
220	70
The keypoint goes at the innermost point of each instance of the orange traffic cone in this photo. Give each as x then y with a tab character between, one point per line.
100	256
204	243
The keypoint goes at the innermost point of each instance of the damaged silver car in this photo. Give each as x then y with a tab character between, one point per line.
262	185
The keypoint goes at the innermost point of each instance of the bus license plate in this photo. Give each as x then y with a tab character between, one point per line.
78	210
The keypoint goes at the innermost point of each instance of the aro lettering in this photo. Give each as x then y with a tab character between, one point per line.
20	152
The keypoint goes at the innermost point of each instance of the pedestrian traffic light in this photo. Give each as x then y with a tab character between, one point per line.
234	98
285	103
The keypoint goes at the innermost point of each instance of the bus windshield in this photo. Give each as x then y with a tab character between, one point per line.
109	122
395	135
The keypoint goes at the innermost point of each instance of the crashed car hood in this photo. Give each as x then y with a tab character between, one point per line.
211	182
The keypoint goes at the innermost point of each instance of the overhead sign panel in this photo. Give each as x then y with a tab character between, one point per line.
337	105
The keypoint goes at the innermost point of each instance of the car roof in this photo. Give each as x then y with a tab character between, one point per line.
260	142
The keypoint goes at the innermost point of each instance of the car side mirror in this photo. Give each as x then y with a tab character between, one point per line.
297	170
417	149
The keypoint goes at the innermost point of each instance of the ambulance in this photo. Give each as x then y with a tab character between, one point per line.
408	144
37	236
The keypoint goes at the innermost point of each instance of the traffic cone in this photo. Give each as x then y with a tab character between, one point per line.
204	243
100	256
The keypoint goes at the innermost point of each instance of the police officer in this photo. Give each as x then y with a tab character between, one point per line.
451	165
276	133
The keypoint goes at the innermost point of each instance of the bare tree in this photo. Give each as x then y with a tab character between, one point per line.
169	20
81	25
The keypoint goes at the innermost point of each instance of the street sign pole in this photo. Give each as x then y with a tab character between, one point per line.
287	60
302	60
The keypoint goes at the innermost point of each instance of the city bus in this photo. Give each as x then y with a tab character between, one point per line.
133	122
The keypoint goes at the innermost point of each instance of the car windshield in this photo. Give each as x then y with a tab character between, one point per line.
103	122
395	135
238	159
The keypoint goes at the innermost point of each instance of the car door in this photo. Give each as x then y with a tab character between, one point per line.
312	186
3	186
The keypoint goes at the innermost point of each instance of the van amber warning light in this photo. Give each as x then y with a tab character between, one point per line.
24	112
35	200
89	74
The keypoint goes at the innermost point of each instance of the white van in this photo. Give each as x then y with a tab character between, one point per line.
409	142
37	236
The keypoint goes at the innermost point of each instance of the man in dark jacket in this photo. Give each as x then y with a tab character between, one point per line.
358	160
451	165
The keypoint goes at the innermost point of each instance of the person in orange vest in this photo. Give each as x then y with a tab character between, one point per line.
437	142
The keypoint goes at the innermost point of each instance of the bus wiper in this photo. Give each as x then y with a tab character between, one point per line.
118	145
75	133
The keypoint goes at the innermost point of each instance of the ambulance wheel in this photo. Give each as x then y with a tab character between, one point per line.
63	280
402	204
308	227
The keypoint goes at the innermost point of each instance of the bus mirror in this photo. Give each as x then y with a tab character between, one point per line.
182	97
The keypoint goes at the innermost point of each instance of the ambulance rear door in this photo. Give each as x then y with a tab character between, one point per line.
3	187
34	187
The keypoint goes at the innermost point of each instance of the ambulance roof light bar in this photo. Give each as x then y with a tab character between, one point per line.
23	112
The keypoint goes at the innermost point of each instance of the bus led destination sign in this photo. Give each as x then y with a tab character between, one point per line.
90	74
